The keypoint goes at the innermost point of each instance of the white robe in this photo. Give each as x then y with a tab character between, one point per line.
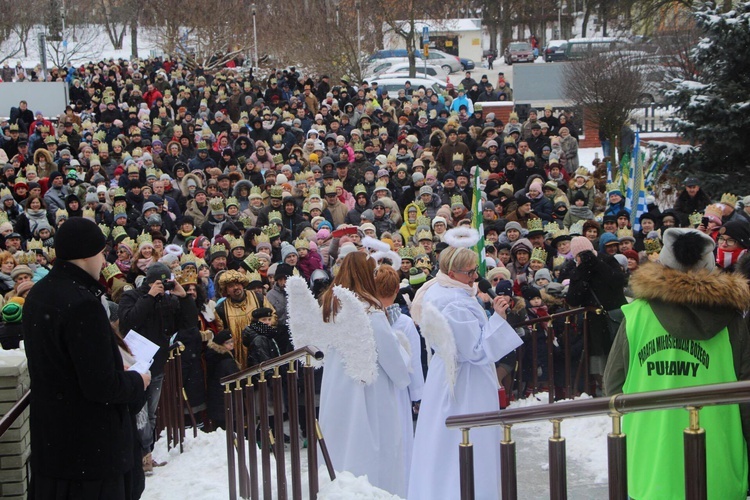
413	392
361	423
479	343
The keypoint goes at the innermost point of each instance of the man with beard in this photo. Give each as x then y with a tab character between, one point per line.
235	313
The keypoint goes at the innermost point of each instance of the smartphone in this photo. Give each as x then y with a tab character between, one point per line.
704	222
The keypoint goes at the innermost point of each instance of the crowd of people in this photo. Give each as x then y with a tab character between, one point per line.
212	190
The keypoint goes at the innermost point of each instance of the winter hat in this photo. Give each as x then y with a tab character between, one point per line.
521	244
346	249
580	244
149	205
607	239
631	254
323	233
513	225
20	270
737	231
439	219
417	176
12	313
286	250
262	312
283	271
504	288
579	196
367	214
157	272
367	226
622	260
687	250
222	336
416	277
543	273
498	271
78	238
529	292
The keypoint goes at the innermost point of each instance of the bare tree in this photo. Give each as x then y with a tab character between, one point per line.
82	44
606	87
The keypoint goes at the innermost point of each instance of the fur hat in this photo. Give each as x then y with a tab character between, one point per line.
687	250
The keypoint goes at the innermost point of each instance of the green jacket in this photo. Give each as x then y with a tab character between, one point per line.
677	310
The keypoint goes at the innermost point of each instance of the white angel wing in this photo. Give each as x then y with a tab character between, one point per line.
304	316
438	333
352	336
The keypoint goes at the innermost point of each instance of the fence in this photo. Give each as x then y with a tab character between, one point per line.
243	411
170	414
653	118
690	398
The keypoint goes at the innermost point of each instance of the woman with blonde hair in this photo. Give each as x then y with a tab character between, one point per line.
462	377
144	257
366	368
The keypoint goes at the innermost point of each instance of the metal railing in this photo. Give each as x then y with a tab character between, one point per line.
243	413
576	322
170	414
690	398
653	118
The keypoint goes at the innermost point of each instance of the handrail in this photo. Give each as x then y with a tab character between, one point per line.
696	396
277	362
15	411
551	317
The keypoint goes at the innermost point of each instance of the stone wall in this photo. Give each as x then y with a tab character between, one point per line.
15	444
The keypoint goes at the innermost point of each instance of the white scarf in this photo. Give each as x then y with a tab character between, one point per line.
444	280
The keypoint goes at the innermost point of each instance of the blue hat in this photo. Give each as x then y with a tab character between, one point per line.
504	288
606	239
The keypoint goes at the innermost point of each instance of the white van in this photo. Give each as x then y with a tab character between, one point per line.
396	83
392	66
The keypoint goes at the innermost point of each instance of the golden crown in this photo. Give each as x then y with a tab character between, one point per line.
406	253
558	232
232	202
35	244
695	218
300	178
61	213
116	143
271	230
539	254
458	157
262	238
144	238
535	225
276	191
152	172
423	220
558	261
278	159
235	242
360	189
255	192
217	248
275	215
119	192
338	184
713	210
245	220
88	214
252	262
187	276
302	243
507	187
424	234
613	186
5	192
187	259
111	271
551	228
625	233
577	228
314	191
423	262
652	245
4	217
105	230
128	242
117	232
216	204
457	200
254	276
728	199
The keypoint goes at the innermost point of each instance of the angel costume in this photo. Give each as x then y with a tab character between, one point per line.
366	369
461	379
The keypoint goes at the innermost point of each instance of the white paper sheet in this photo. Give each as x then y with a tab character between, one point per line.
143	351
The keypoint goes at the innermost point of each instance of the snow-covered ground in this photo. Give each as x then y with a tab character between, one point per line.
201	471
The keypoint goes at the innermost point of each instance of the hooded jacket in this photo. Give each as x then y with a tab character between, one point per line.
409	230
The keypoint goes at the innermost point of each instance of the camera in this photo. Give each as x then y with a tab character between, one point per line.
168	285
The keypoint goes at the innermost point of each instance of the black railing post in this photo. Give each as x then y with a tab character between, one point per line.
229	424
293	398
695	457
312	434
466	461
550	334
558	481
252	446
568	382
239	432
508	471
617	462
265	437
278	424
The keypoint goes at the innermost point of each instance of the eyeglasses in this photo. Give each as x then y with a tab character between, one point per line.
470	272
727	241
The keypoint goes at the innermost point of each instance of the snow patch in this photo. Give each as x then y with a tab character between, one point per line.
347	486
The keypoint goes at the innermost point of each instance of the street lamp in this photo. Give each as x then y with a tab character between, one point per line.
255	37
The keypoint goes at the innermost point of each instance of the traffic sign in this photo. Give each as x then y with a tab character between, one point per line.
425	34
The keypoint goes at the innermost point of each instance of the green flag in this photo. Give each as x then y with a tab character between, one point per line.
477	222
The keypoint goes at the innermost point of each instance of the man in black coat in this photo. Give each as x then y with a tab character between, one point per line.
81	431
156	315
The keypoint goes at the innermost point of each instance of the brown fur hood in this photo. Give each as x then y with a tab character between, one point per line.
220	349
653	281
589	184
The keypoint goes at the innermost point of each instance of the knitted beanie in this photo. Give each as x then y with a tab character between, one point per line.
580	244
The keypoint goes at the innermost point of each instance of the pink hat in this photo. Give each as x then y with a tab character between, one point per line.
580	244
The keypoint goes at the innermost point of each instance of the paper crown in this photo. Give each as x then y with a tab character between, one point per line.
262	238
728	199
613	186
424	234
35	244
88	214
255	192
117	232
152	172
458	158
713	211
217	249
423	262
276	191
105	230
251	263
187	259
314	191
300	178
652	245
302	243
551	228
560	233
129	243
507	187
626	233
271	230
457	201
61	213
144	238
406	253
254	276
275	216
187	276
232	202
216	204
360	189
695	218
278	159
535	225
558	261
577	228
423	220
539	254
111	271
246	221
234	242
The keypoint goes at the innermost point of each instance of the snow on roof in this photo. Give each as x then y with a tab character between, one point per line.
448	25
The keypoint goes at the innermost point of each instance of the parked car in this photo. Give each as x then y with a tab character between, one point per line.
579	48
398	66
467	63
450	63
395	83
405	76
555	50
518	52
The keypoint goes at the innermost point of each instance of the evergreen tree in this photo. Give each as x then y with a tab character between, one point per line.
714	107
